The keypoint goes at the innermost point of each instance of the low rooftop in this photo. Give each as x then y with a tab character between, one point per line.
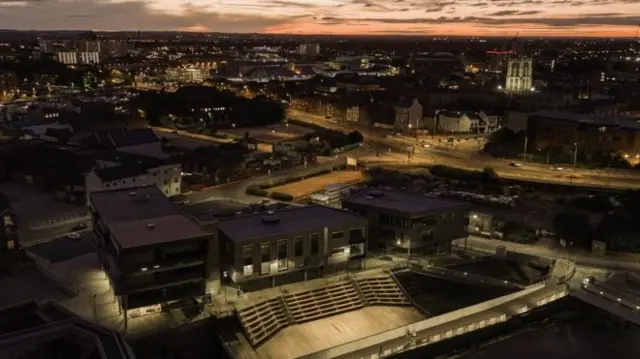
143	216
405	202
627	122
285	222
33	328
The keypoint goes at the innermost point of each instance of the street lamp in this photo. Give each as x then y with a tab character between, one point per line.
575	154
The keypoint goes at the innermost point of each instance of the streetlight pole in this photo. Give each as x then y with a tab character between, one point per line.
524	151
575	154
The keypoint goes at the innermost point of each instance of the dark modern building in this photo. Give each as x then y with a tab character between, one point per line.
568	133
47	330
8	229
295	244
152	253
401	221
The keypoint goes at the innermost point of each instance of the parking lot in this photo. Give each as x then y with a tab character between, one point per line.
63	248
35	208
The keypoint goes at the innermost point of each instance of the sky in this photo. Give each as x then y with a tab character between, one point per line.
583	18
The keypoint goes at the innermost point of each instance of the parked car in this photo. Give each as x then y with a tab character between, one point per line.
74	235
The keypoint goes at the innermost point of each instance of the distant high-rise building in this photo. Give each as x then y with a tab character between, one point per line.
87	45
309	49
74	58
519	75
115	48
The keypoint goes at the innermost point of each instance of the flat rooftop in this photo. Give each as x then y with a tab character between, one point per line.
285	222
628	122
407	202
271	134
143	216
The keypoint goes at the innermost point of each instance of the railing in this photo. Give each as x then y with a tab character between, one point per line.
355	285
376	340
406	294
471	277
611	295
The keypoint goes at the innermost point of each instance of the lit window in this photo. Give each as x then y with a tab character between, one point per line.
282	255
247	260
265	258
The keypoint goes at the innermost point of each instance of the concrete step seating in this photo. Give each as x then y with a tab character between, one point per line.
263	319
323	302
381	290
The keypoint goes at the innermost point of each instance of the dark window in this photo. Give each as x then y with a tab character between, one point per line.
427	221
265	252
297	246
247	255
356	234
427	235
337	235
282	249
315	243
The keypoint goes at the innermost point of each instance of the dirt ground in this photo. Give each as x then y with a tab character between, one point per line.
307	187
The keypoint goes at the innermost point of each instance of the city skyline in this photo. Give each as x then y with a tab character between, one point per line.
582	18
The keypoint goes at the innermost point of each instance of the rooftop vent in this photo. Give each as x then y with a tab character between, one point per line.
151	226
270	218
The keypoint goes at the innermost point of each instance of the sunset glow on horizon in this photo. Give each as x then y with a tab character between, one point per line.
579	18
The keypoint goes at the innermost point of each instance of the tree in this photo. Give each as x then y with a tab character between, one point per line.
620	227
505	142
573	227
502	136
355	137
489	173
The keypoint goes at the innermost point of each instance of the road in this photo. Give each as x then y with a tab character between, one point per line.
580	258
470	158
31	237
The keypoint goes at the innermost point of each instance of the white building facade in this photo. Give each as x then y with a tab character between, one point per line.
167	178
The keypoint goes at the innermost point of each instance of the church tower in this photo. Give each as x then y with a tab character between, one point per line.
519	72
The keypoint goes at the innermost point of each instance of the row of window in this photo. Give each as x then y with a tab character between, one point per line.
281	249
133	180
422	222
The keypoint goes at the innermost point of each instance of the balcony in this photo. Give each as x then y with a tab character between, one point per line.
146	268
164	279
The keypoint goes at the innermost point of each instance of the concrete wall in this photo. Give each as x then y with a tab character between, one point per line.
370	346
